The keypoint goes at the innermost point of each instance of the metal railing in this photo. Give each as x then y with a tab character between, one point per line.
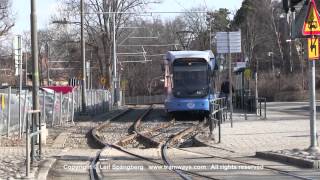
218	114
262	106
35	131
249	105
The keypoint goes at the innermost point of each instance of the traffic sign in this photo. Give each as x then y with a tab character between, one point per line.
124	84
313	48
228	42
3	103
311	24
103	81
247	73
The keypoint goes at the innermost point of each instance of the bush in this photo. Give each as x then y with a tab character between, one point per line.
290	87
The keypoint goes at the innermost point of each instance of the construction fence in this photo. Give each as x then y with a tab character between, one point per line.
57	109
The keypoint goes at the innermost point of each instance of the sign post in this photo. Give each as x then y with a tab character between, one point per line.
229	42
18	71
311	27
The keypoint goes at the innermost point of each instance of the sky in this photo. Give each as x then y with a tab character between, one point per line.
46	8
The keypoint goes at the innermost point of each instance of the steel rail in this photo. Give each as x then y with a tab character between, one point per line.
94	133
143	136
174	140
104	145
133	129
253	164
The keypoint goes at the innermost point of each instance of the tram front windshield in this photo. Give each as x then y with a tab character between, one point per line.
190	79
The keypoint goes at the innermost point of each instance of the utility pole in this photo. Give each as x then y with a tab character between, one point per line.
35	71
210	40
48	65
115	76
20	86
26	68
256	88
83	58
290	42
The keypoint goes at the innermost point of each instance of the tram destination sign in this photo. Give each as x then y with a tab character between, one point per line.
228	42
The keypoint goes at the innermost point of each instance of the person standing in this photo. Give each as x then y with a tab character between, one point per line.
225	88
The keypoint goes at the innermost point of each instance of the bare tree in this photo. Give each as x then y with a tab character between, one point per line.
99	22
6	18
6	23
197	23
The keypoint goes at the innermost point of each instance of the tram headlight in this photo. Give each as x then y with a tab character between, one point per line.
177	93
201	92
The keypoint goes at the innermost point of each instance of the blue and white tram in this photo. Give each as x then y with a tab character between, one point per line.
189	81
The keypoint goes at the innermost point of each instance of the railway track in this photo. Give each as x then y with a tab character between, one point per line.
146	136
153	137
101	141
174	141
150	134
144	128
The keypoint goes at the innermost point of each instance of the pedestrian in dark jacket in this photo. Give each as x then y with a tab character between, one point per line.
225	88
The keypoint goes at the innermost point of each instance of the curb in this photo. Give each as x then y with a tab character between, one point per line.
45	167
304	163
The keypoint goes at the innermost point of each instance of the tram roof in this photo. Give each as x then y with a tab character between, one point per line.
173	55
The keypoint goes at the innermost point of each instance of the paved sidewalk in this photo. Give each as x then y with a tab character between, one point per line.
285	128
12	163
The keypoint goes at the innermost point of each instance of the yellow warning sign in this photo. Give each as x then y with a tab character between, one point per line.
103	81
311	25
124	84
247	74
313	48
3	103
